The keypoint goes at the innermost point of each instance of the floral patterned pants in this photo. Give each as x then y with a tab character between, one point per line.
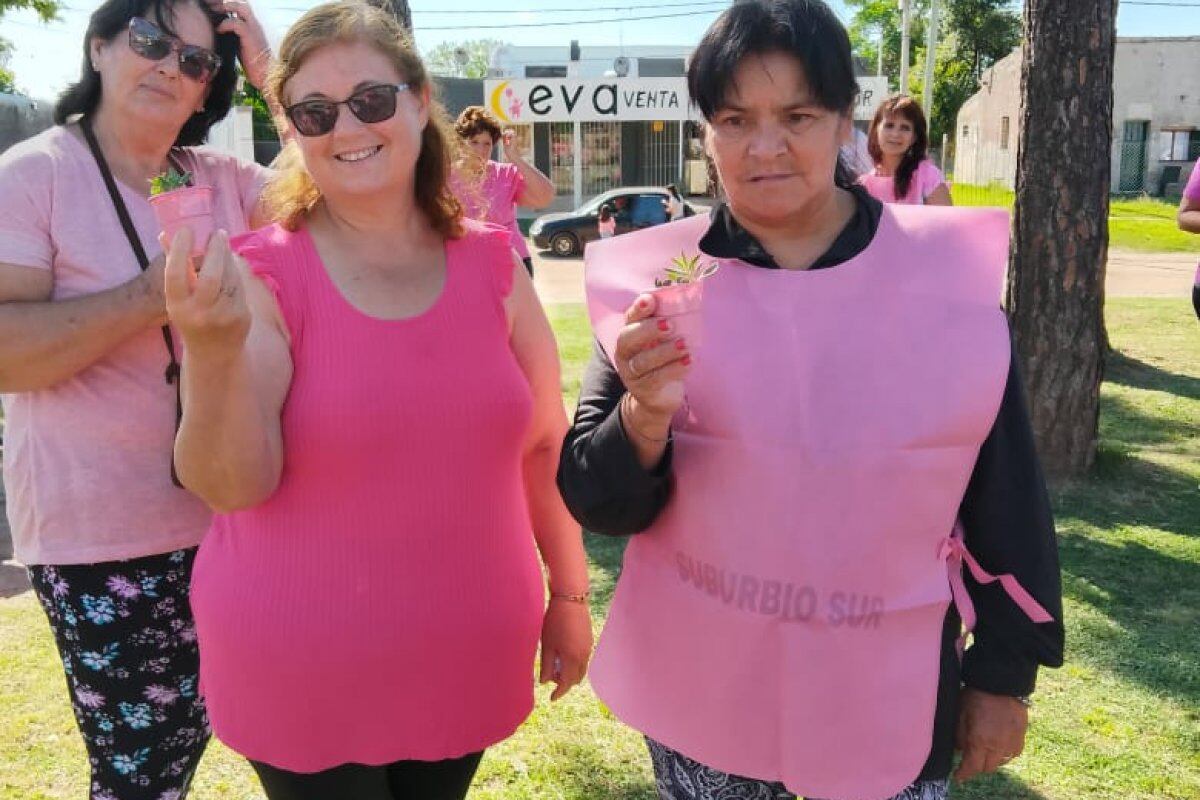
677	777
128	645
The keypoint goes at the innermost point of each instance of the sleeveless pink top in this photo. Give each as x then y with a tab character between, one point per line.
385	603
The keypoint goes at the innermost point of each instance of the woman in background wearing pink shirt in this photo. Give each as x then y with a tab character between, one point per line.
489	190
1189	220
377	416
898	142
88	373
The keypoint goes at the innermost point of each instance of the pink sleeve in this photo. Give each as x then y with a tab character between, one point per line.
259	253
931	178
251	179
1192	191
26	190
516	181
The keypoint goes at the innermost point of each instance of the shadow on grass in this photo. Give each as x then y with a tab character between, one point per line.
1125	489
1146	621
997	786
1126	371
1125	421
14	580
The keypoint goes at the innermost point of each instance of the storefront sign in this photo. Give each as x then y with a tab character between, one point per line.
872	92
620	99
588	100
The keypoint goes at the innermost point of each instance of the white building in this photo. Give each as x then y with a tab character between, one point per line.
1156	118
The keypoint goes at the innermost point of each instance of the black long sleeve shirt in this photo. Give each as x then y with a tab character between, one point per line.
1005	511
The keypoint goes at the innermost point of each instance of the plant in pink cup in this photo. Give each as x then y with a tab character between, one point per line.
678	296
177	205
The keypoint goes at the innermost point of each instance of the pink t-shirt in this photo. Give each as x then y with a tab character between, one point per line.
87	462
494	199
1192	190
927	178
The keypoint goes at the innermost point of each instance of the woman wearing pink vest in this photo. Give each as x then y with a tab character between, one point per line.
787	618
898	144
375	415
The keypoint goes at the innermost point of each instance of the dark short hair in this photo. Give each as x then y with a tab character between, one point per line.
804	29
111	20
475	120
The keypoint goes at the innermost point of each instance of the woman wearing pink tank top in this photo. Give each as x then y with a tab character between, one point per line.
376	419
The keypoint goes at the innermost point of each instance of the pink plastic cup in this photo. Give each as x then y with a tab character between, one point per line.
190	207
680	303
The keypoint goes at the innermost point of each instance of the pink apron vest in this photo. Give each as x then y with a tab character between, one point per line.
782	618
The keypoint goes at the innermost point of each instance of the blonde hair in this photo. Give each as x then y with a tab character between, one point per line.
291	195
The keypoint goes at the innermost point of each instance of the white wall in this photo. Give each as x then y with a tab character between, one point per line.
234	134
1157	79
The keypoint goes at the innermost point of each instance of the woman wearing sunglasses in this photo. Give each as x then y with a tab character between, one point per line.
87	371
377	418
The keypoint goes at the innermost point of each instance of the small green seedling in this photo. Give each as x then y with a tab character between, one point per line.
685	269
169	181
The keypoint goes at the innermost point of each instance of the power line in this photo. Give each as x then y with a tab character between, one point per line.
1158	3
575	10
561	24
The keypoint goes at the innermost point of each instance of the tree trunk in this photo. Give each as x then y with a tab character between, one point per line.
1055	292
398	9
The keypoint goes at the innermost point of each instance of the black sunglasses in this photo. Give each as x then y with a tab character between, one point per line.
372	104
152	42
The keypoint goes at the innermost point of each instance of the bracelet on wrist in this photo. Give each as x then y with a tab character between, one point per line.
572	598
627	416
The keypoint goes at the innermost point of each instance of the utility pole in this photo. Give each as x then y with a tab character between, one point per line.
905	23
879	67
931	38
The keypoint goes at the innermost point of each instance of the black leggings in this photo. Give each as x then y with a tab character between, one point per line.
402	780
528	262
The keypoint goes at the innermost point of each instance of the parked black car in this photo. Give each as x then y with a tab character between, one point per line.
635	207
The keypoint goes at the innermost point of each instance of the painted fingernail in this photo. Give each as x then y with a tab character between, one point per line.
663	325
687	360
680	344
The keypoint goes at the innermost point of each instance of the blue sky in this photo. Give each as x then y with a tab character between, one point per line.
47	57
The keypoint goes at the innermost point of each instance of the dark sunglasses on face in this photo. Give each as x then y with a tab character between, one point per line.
372	104
153	43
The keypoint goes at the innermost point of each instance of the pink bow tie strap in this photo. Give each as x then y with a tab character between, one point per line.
955	554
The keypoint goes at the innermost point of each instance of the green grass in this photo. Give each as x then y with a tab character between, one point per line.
1143	225
1120	722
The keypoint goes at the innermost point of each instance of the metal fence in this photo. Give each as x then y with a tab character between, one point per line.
981	175
661	152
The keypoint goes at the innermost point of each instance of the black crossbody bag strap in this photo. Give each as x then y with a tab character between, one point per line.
172	372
